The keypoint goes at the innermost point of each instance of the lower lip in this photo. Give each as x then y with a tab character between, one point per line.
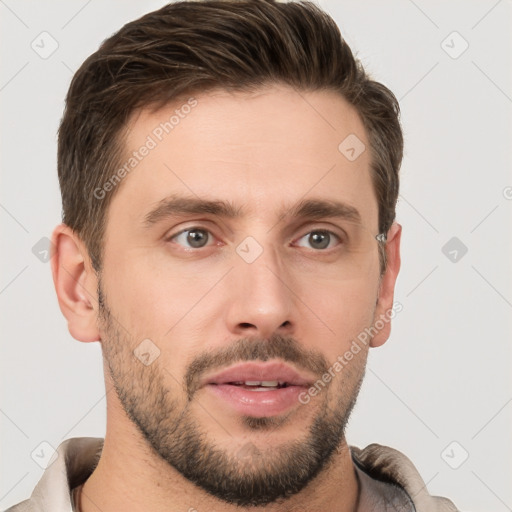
258	403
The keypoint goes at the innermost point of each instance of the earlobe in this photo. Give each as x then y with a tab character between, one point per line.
384	310
75	284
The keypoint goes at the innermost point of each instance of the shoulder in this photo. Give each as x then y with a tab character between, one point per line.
388	465
70	465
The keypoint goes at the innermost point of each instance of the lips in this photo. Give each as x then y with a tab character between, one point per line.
257	375
258	389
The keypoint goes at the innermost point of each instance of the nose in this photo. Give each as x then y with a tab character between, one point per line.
260	297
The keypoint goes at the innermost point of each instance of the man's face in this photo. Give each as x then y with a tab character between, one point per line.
262	287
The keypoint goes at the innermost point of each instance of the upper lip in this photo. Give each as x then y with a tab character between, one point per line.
252	371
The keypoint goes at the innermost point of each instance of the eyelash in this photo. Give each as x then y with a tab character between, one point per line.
170	238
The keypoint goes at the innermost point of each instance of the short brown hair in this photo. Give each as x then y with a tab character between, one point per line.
191	46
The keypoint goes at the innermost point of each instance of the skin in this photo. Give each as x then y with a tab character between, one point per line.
260	151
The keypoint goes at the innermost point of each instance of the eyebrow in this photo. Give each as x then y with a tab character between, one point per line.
175	206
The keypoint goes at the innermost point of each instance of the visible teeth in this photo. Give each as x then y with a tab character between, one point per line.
269	383
265	383
261	384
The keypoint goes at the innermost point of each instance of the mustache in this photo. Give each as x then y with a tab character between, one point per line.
254	349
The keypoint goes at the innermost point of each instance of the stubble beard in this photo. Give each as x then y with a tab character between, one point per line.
249	475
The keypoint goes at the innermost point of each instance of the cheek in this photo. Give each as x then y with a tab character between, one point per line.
151	296
346	309
164	300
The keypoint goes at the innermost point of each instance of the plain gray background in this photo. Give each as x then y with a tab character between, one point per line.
440	389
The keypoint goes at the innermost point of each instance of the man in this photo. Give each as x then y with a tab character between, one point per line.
229	176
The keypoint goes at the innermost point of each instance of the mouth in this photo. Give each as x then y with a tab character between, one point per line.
258	389
266	385
256	375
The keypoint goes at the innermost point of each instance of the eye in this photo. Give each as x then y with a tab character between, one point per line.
320	239
195	237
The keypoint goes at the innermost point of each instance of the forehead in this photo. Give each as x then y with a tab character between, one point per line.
258	150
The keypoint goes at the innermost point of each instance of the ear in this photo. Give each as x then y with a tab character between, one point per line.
387	286
75	283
